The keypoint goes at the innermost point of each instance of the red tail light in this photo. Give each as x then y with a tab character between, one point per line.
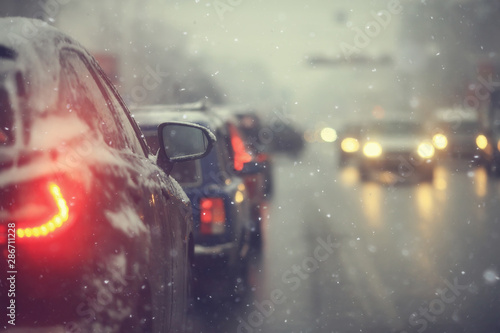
56	222
212	216
241	155
41	208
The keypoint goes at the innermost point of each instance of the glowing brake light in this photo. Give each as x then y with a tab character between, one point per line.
241	155
54	223
212	216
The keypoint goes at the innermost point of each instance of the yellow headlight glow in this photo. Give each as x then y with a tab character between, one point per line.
440	141
425	150
481	141
372	149
349	145
328	134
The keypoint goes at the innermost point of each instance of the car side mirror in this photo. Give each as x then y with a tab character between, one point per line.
181	141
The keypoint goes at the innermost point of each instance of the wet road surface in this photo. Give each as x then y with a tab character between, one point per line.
344	256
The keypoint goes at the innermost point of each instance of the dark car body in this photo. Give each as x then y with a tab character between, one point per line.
243	125
402	147
95	236
221	204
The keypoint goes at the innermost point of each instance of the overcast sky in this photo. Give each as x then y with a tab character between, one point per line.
262	47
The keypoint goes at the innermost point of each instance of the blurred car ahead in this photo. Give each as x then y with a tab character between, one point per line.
221	204
256	171
491	129
402	147
256	136
458	134
348	143
95	235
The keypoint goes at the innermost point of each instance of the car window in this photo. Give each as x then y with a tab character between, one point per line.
87	92
81	94
131	130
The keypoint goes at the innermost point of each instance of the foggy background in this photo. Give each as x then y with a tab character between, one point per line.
325	63
286	53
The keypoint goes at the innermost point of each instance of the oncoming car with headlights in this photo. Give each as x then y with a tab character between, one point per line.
457	133
399	146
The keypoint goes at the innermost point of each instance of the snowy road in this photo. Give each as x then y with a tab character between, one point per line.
345	256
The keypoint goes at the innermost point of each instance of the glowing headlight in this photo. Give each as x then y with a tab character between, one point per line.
481	141
372	149
349	145
440	141
328	134
425	150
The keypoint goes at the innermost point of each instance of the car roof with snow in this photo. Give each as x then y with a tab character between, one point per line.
27	47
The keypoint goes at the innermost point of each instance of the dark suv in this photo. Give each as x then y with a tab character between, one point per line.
221	203
94	235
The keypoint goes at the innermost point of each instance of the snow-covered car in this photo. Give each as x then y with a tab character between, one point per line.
221	203
94	235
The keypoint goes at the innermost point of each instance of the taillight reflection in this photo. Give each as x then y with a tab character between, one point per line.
54	223
212	216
